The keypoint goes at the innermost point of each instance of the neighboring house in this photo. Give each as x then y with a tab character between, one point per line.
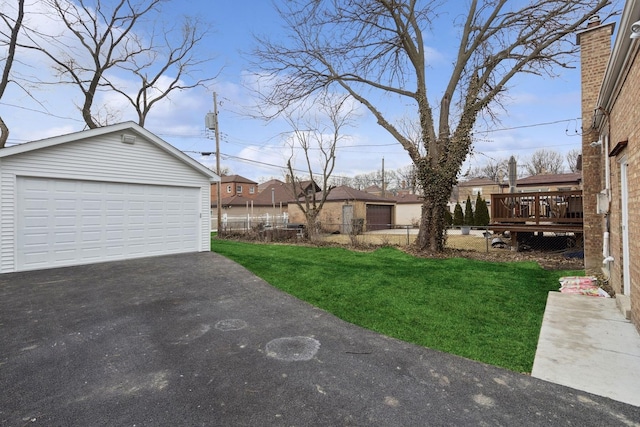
611	155
270	205
110	193
347	207
472	187
284	190
234	205
273	197
278	194
547	182
375	190
234	185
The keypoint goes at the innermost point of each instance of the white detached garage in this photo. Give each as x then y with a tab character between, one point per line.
104	194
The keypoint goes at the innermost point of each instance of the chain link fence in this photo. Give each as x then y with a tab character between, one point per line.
477	239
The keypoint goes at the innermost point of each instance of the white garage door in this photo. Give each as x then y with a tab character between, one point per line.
68	222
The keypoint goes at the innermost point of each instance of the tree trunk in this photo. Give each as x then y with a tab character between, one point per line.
310	218
4	133
431	236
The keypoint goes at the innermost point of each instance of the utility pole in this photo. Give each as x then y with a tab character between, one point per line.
211	123
384	185
219	195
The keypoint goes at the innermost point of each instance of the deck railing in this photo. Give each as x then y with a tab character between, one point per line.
561	208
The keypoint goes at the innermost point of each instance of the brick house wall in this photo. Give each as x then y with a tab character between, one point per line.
614	119
234	185
624	125
485	192
595	47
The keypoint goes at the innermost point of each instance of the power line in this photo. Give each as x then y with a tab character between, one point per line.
237	141
530	126
527	148
20	107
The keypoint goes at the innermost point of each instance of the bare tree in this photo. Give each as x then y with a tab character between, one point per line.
107	39
572	159
9	41
338	180
493	170
179	59
316	134
408	178
375	51
364	180
544	162
361	181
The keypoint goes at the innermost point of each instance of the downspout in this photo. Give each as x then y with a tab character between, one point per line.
606	248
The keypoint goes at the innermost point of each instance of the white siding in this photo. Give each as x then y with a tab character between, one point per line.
7	216
103	158
69	222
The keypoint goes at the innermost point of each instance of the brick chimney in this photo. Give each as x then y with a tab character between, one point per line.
595	47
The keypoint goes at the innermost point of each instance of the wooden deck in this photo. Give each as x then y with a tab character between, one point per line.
550	211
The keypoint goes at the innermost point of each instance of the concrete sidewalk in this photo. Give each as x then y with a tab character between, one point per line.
587	344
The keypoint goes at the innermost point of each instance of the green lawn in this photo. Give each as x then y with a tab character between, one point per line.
486	311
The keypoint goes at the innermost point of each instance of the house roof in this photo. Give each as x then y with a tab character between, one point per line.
236	178
274	191
124	129
237	200
303	186
477	182
408	199
373	189
546	179
343	192
282	193
269	183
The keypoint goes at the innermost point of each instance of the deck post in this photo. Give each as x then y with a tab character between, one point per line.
514	241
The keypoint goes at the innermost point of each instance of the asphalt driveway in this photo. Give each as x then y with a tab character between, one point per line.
196	339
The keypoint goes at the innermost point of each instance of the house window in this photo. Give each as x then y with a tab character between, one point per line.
238	189
476	191
252	189
228	189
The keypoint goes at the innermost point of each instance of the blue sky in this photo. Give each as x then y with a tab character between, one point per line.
257	150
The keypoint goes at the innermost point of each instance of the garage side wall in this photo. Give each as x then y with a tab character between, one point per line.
104	159
408	213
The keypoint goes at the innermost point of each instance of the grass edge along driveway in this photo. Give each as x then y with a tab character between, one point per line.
486	311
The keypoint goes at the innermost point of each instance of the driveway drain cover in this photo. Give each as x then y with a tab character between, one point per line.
292	349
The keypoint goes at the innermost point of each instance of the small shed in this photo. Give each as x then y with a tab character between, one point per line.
104	194
346	208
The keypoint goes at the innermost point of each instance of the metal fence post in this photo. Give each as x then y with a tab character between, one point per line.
486	237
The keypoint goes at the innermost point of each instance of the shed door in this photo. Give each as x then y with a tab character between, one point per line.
378	217
68	222
347	219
